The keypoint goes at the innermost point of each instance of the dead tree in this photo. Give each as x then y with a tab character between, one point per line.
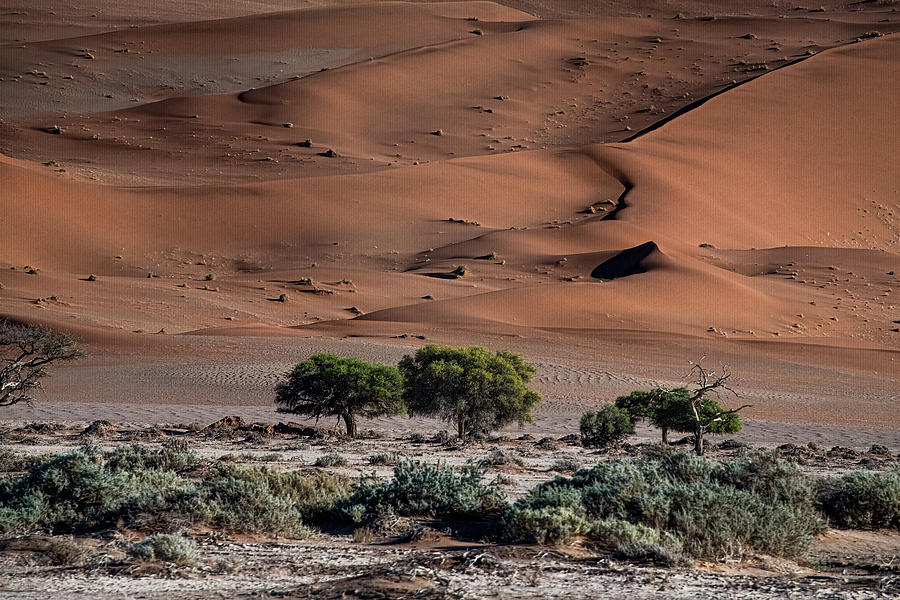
708	381
25	353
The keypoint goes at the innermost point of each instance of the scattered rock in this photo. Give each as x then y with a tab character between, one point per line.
229	422
99	429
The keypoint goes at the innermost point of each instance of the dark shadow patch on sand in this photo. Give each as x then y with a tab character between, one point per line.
625	263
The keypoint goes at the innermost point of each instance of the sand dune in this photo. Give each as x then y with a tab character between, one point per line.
516	170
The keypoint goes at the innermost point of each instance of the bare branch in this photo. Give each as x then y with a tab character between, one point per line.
26	352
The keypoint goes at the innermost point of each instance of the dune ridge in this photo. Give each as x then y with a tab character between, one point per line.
453	170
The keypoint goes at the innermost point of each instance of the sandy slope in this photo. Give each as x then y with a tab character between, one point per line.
756	152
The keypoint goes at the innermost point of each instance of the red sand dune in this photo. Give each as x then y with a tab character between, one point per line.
745	166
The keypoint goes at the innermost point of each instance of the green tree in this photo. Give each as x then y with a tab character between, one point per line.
672	409
608	426
328	385
478	390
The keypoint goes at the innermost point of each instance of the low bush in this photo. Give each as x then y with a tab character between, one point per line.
695	507
259	499
80	491
66	551
384	459
331	460
11	462
87	489
639	542
863	500
607	427
499	458
420	489
166	547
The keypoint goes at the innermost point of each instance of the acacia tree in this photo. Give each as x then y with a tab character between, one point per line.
669	409
328	385
715	382
26	352
477	390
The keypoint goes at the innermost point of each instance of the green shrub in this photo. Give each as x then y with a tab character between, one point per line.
607	427
313	496
166	547
863	500
547	525
173	456
420	489
79	491
639	542
694	506
553	514
86	489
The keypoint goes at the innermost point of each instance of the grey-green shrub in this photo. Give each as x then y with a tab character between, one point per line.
695	506
420	489
863	500
87	489
166	547
259	499
79	491
331	460
639	542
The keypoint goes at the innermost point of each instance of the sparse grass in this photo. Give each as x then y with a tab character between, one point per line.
66	551
565	464
363	535
15	462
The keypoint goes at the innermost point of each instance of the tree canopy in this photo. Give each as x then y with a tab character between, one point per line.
670	409
479	390
328	385
25	353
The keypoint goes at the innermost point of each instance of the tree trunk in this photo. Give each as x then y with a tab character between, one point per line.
461	427
665	435
350	423
698	438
